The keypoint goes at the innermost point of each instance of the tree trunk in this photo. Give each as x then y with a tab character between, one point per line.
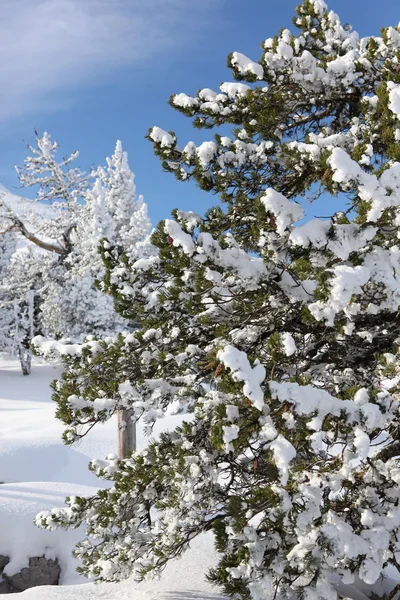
25	358
126	433
24	330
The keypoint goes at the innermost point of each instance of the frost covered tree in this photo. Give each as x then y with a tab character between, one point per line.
281	339
110	209
61	230
127	211
20	290
21	274
41	231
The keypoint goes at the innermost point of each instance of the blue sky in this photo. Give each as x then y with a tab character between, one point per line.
94	71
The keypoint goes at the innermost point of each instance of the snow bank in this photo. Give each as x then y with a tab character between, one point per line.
31	448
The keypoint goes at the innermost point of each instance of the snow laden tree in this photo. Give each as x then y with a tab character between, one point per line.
59	234
22	266
42	231
280	338
111	209
20	292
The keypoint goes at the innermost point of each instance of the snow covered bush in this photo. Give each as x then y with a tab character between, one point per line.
281	339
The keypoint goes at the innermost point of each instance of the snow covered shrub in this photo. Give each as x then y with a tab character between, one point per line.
282	339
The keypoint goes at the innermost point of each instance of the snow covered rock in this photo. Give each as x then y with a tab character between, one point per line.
4	588
4	560
29	556
40	571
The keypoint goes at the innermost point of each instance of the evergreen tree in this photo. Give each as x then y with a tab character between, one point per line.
281	339
127	210
110	209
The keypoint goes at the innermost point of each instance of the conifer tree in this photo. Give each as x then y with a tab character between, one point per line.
281	339
109	209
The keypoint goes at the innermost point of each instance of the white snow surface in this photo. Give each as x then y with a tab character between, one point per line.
252	377
31	448
285	211
245	65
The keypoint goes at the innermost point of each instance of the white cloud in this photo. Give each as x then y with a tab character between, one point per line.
49	46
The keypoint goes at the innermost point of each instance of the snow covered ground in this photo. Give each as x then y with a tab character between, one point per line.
30	442
38	471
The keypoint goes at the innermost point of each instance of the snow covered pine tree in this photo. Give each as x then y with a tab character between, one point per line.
109	208
283	340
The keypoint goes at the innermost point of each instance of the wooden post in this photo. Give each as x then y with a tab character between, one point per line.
126	433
